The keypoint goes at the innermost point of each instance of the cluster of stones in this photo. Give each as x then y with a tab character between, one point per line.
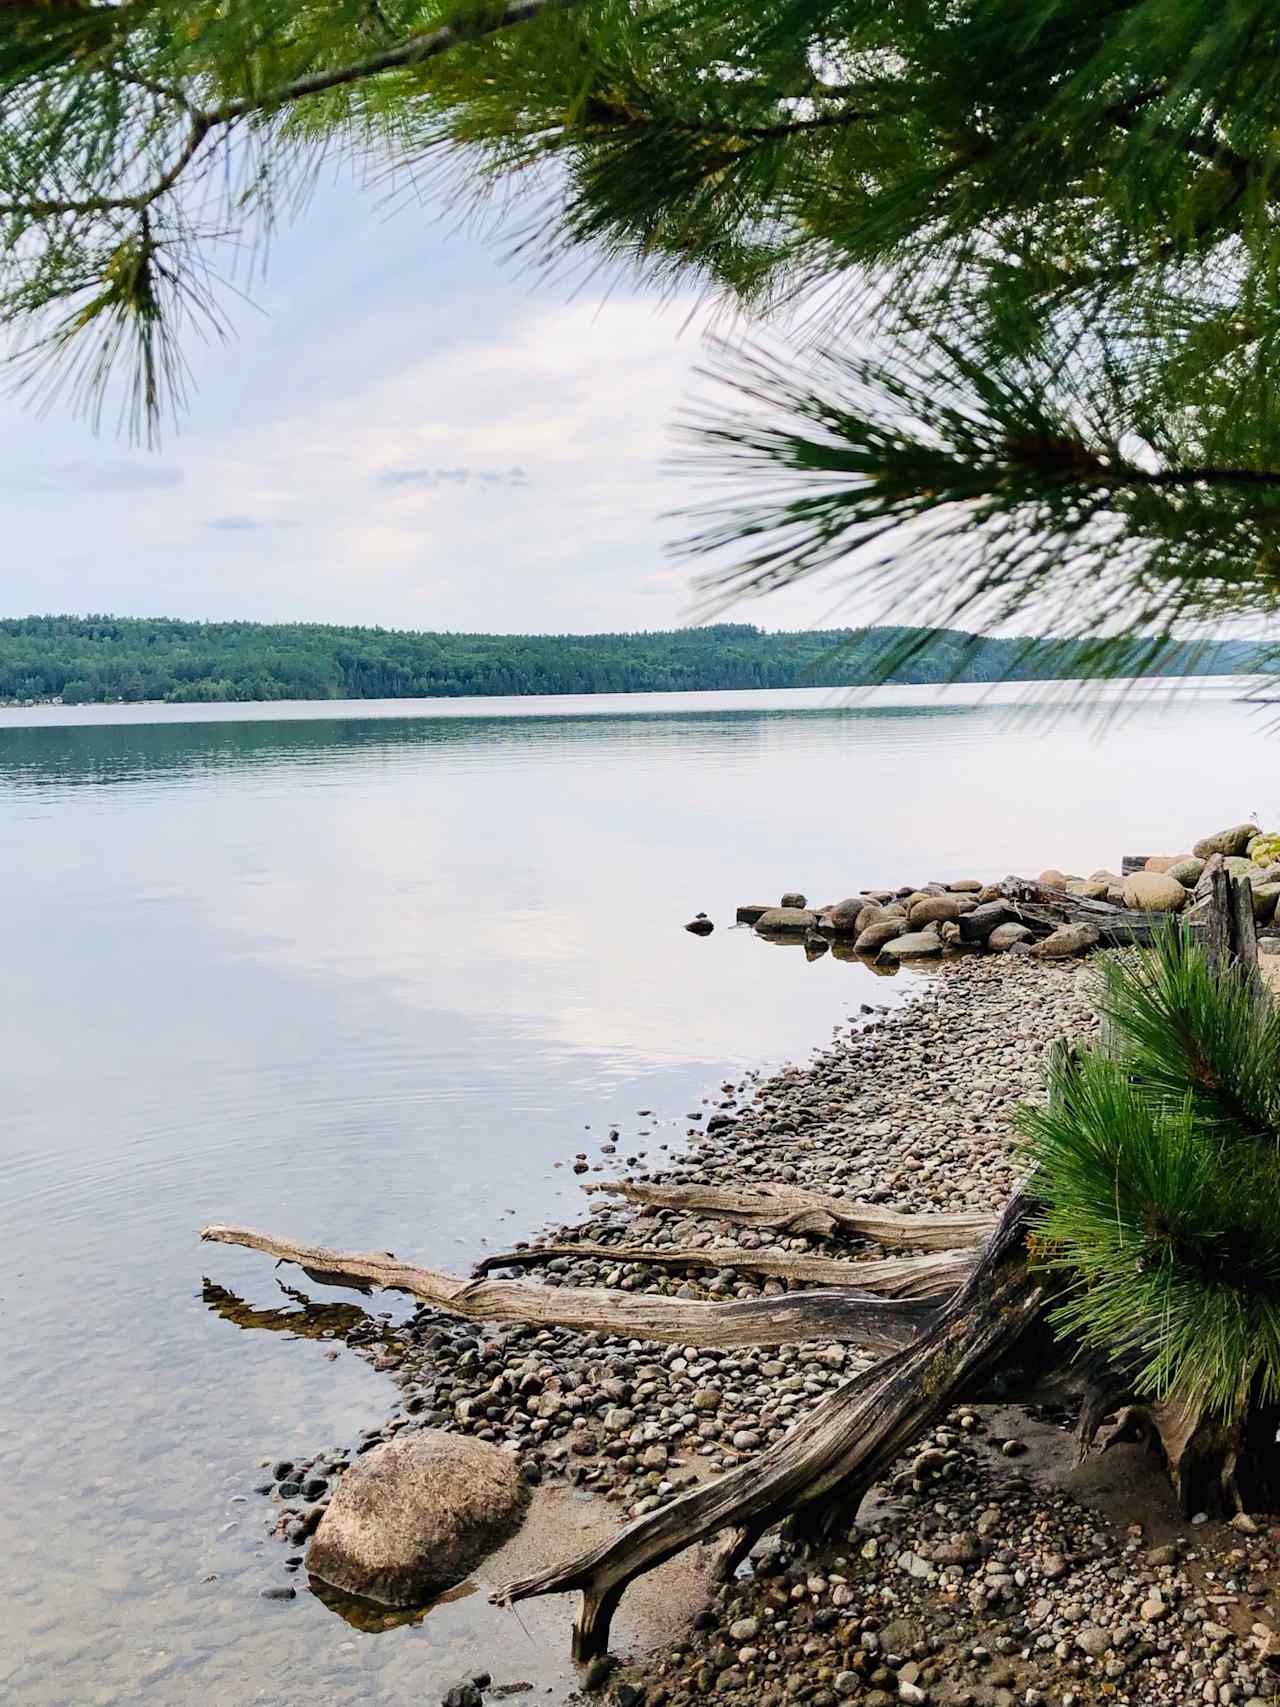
1172	883
889	925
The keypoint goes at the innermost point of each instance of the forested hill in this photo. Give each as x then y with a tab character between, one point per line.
82	659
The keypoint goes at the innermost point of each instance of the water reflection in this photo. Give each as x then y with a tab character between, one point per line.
371	983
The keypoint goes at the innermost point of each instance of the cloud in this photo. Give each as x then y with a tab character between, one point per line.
245	524
435	477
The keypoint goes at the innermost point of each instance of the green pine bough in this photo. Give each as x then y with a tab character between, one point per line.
1158	1165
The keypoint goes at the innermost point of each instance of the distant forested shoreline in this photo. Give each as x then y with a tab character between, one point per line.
85	660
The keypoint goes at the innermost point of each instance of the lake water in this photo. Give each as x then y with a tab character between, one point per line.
365	974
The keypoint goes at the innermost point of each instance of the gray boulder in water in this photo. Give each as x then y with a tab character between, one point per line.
415	1516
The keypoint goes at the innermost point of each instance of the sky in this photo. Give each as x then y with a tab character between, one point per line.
406	429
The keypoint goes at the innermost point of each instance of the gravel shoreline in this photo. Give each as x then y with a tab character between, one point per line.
975	1578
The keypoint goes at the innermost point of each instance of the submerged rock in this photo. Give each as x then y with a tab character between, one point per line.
415	1515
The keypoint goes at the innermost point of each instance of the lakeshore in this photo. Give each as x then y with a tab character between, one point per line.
292	1004
990	1569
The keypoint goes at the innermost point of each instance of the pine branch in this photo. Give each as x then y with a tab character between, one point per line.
416	50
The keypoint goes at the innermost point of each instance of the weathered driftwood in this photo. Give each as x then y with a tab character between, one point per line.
936	1275
1230	932
824	1466
793	1209
1044	909
844	1315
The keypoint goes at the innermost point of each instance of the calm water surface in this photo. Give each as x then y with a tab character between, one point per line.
365	974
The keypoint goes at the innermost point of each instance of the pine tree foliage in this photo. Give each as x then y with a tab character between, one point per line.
1022	255
1157	1162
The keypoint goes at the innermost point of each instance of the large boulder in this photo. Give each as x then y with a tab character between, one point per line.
933	909
1188	872
416	1515
980	923
786	921
875	913
1232	841
1162	862
1052	878
914	943
873	938
843	917
792	898
1154	892
1066	940
1243	868
1265	896
1004	936
1264	849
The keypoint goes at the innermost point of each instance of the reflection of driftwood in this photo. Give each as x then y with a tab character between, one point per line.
934	1276
792	1209
841	1314
305	1320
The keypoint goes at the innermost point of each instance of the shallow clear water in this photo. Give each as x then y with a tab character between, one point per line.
366	974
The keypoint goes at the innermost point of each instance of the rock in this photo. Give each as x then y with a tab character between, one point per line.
745	1629
464	1694
875	912
1154	1608
1169	1554
1087	889
1161	862
1242	868
951	933
844	916
1227	842
748	915
965	886
1004	936
415	1515
1052	878
1066	940
281	1592
792	898
1154	892
701	926
979	924
1188	872
914	944
934	908
1265	896
786	921
1264	849
1092	1640
871	940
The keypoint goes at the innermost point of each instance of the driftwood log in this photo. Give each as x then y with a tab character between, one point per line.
987	1336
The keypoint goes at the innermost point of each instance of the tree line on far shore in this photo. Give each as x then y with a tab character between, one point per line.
83	660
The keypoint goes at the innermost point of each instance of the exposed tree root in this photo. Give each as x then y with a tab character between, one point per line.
844	1315
936	1275
828	1460
793	1209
